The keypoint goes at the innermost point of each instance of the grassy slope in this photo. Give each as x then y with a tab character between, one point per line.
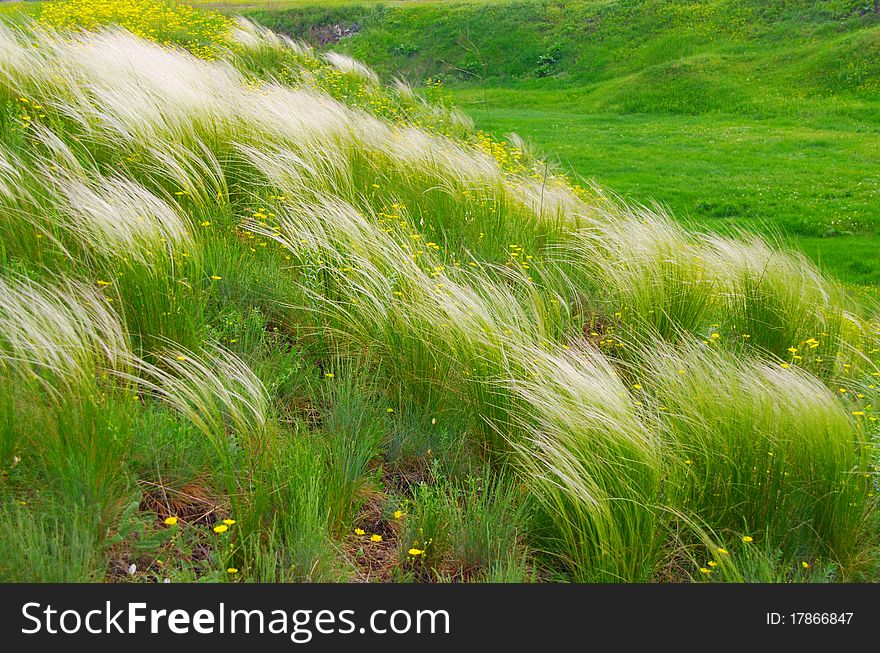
227	298
731	113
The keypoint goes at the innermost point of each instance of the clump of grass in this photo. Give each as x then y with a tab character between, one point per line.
354	432
215	392
757	446
64	335
49	546
592	465
286	525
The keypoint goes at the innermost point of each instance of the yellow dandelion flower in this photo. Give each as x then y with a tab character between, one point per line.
398	514
359	531
232	570
229	522
747	539
722	550
415	552
222	528
216	277
171	521
375	537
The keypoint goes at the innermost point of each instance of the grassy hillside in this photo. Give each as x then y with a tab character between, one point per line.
264	318
732	113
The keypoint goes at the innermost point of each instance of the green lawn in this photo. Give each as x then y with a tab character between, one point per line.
817	184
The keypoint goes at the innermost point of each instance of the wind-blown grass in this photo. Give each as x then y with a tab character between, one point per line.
635	383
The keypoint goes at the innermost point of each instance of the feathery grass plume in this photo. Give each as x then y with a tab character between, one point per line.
191	174
299	172
778	298
117	217
420	154
549	198
250	36
181	100
264	54
348	66
458	268
305	120
69	333
758	446
135	242
644	268
10	174
213	389
114	84
218	394
58	407
403	89
432	327
16	57
590	462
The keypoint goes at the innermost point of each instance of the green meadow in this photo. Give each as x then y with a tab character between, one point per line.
273	312
730	114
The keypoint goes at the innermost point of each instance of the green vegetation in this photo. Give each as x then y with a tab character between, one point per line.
263	318
733	113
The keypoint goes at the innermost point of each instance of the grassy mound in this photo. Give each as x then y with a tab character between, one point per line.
262	318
